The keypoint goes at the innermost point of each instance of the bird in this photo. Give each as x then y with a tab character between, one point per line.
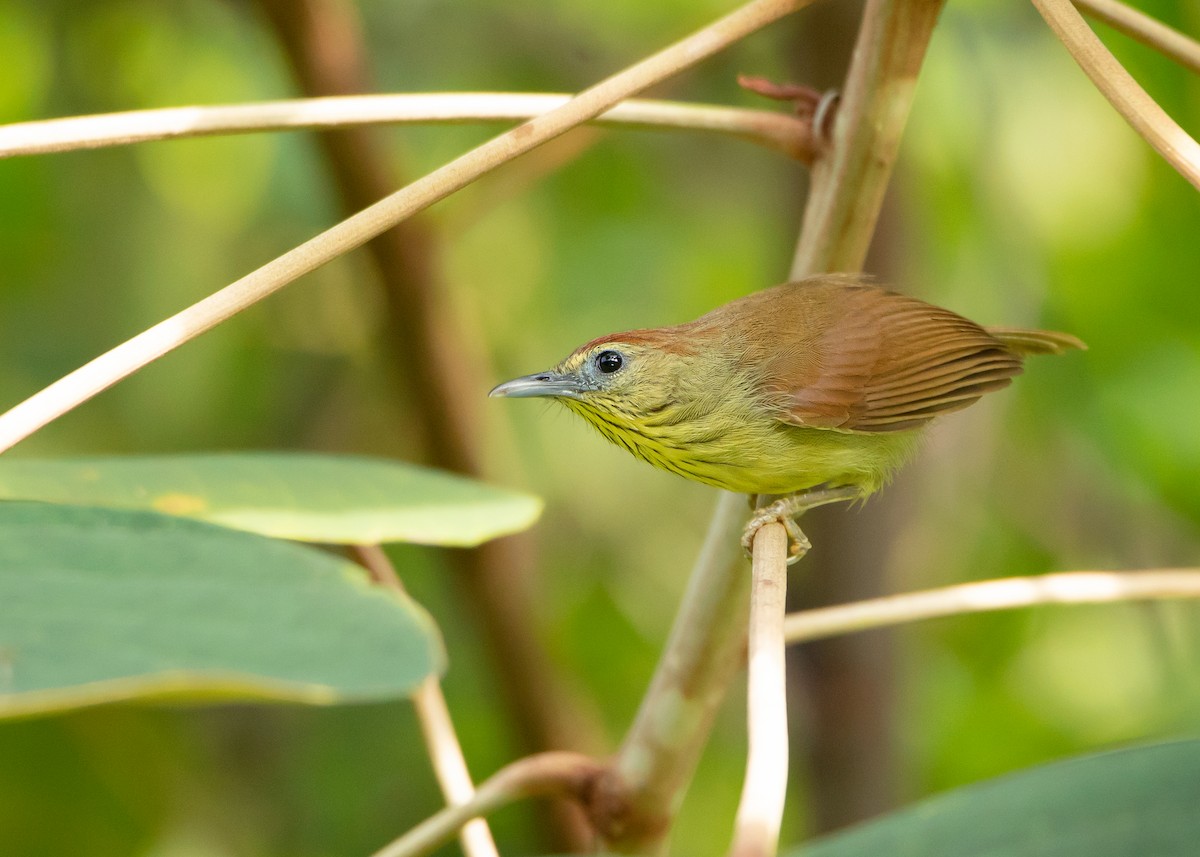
812	391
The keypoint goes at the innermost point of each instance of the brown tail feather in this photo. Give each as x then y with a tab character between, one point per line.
1036	341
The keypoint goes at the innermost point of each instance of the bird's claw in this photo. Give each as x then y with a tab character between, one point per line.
779	512
786	509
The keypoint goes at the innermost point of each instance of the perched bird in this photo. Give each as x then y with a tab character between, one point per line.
826	381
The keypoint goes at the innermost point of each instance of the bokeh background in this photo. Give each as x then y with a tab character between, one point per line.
1020	199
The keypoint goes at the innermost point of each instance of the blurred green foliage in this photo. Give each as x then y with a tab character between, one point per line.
1020	199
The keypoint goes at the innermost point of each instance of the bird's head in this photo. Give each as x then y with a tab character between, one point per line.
626	375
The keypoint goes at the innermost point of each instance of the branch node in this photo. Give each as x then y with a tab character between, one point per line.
606	800
823	118
815	109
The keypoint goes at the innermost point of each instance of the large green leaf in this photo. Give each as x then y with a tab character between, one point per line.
1128	803
316	498
102	604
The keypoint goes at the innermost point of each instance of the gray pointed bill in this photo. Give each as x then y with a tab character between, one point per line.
539	384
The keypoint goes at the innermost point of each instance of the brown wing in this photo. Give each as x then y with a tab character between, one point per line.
871	360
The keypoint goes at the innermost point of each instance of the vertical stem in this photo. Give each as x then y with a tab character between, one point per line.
849	183
843	747
760	812
843	208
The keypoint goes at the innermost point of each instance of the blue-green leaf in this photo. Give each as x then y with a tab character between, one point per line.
99	605
1128	803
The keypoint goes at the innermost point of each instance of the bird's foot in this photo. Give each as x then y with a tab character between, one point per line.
786	510
777	513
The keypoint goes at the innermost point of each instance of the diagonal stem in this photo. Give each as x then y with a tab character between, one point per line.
1122	91
445	753
1149	31
109	368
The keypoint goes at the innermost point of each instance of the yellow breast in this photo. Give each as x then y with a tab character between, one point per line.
752	456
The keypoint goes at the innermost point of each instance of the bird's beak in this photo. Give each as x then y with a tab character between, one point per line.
541	384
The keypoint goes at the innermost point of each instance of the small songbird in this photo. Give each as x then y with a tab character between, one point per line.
826	381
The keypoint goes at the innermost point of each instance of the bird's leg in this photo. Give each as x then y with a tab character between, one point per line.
785	510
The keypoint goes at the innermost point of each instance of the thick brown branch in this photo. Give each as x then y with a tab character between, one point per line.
323	41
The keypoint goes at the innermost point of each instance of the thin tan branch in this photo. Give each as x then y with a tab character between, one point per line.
449	765
1149	31
1078	587
441	741
760	811
1124	93
565	774
775	130
109	368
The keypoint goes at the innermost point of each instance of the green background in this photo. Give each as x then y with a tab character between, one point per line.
1021	199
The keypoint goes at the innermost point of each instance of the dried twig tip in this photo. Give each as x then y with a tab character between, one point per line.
805	98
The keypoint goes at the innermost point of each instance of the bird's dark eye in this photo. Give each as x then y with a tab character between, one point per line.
609	362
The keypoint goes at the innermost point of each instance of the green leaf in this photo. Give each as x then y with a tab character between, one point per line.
98	605
315	498
1144	800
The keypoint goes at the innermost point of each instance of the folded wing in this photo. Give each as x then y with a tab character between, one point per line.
877	361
